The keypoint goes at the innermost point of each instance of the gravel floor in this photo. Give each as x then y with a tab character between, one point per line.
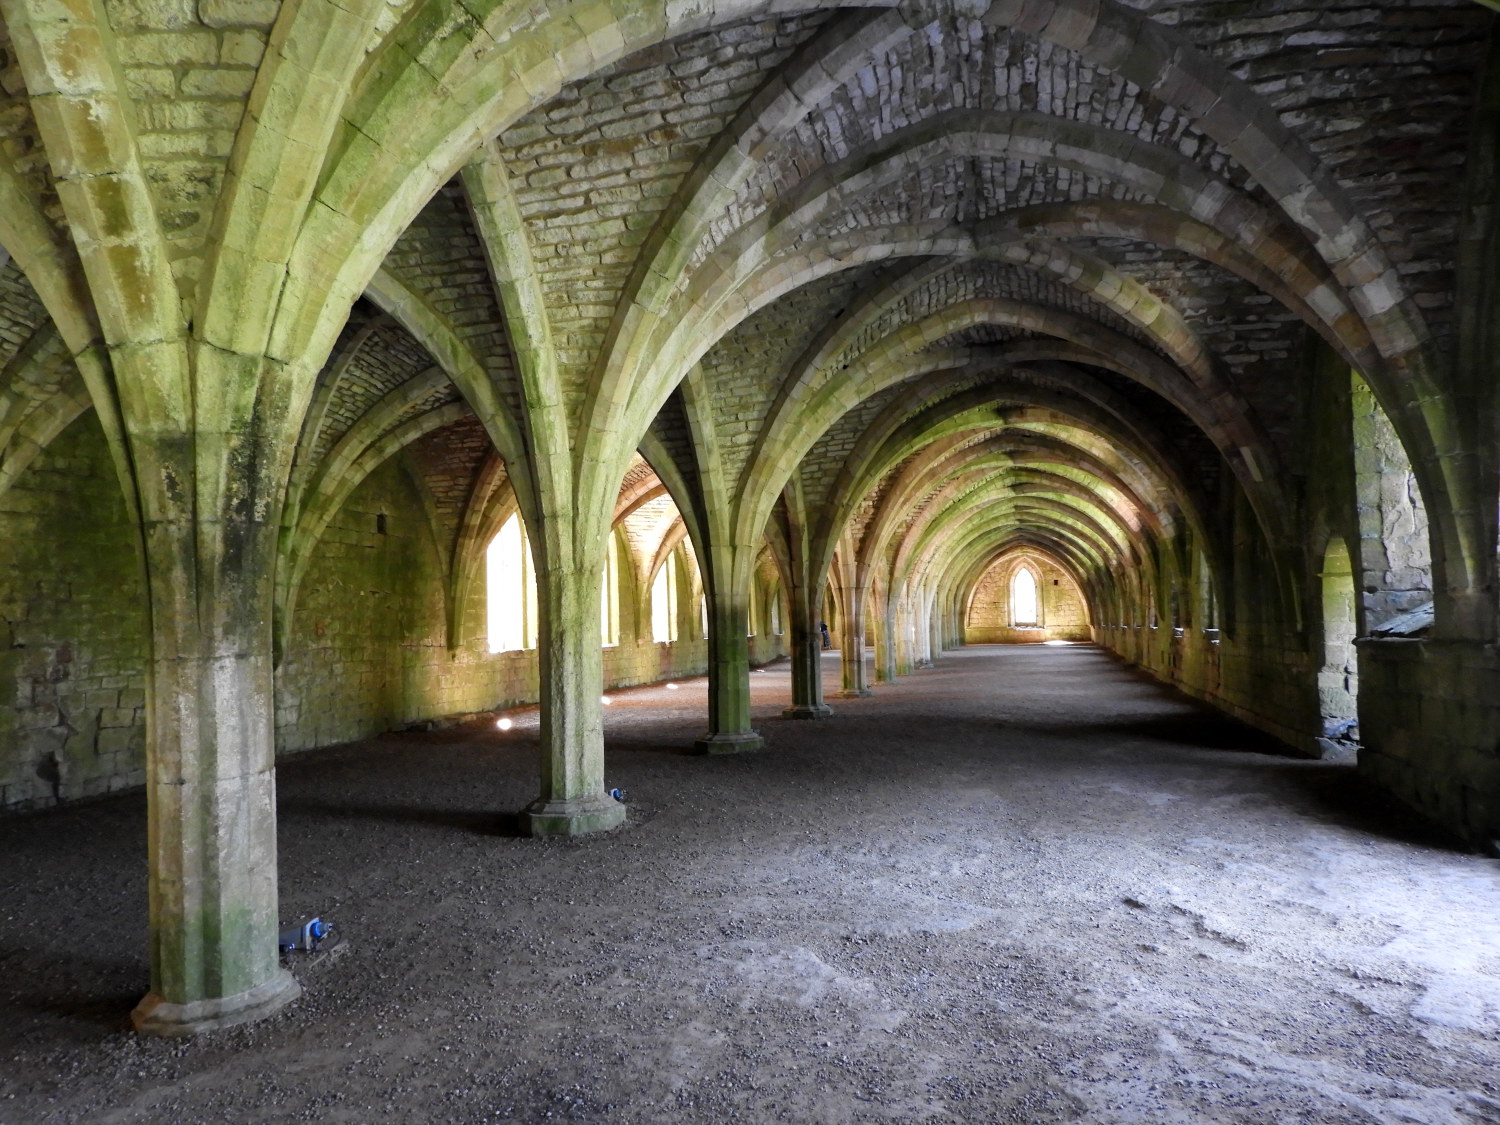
1025	885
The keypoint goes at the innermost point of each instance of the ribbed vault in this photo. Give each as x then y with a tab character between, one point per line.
845	306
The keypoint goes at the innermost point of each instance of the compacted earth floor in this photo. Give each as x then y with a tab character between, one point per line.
1025	885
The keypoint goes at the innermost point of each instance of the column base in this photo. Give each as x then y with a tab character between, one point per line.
576	817
155	1016
855	693
731	742
808	711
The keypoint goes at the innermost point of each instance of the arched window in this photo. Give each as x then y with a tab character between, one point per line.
776	612
1023	603
510	589
664	602
609	595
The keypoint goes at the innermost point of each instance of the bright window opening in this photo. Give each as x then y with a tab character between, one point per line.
664	602
1023	607
510	589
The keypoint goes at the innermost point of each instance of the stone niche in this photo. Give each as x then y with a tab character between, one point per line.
1061	613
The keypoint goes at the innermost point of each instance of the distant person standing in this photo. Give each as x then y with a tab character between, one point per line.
823	628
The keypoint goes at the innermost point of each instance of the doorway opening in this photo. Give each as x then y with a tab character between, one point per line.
1338	678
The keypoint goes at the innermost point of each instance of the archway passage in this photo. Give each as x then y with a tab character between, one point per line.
1338	679
1101	884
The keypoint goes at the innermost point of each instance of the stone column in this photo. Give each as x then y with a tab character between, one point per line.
953	626
210	761
570	664
885	649
807	658
934	628
729	729
856	682
197	455
922	629
901	648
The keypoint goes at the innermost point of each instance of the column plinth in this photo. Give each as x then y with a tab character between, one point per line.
156	1016
576	816
729	742
808	711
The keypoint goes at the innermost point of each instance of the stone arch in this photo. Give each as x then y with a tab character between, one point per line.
1395	548
813	408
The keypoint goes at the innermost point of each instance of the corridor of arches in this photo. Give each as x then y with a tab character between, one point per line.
384	365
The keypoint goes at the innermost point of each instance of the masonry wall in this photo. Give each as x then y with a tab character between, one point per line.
1428	725
1062	611
1266	665
1429	708
366	652
1250	675
73	639
1257	670
1259	656
1430	713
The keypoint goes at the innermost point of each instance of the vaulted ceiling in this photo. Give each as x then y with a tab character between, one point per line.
960	275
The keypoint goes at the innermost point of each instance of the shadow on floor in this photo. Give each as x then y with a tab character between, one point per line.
625	744
481	822
1196	730
82	990
1201	729
1336	794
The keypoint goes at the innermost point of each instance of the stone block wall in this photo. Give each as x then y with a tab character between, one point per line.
366	653
1271	664
369	617
1259	683
1429	713
1395	558
766	647
1062	611
73	639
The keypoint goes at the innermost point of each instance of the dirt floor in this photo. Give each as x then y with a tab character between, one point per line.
1023	886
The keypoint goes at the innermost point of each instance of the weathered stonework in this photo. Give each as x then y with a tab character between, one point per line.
1062	615
833	309
72	650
